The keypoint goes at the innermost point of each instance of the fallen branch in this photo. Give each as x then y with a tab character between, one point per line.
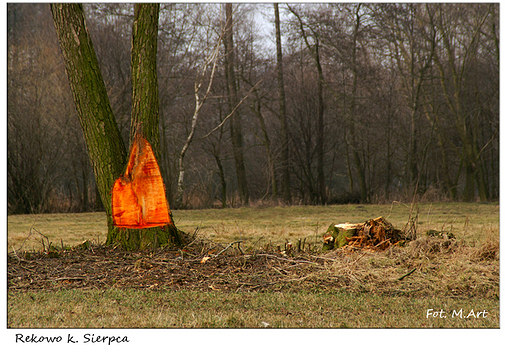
407	274
284	259
380	243
229	245
64	278
322	258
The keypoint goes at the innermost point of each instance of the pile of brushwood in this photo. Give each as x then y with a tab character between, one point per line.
375	234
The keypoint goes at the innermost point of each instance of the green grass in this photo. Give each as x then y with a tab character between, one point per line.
191	309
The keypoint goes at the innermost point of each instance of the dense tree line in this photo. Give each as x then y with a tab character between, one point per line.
311	103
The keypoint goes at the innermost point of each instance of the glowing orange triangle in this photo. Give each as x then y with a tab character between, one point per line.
138	196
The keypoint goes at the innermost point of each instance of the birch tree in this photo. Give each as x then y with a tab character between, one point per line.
209	63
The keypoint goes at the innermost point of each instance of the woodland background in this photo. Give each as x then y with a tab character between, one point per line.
383	102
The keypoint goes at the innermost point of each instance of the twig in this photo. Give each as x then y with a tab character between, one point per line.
284	259
30	232
352	247
322	258
229	245
359	258
241	251
64	278
16	255
380	243
407	274
233	111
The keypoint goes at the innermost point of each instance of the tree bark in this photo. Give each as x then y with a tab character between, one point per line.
199	102
321	140
268	148
235	125
352	140
286	179
145	119
145	90
104	142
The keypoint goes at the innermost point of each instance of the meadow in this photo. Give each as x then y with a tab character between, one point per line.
401	287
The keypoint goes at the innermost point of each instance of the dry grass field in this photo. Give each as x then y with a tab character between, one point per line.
250	284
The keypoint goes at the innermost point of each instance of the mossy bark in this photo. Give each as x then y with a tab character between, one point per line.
104	142
145	119
339	236
142	239
145	90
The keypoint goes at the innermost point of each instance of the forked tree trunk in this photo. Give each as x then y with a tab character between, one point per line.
104	142
145	119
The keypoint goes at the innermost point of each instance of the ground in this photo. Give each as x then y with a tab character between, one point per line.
421	268
304	287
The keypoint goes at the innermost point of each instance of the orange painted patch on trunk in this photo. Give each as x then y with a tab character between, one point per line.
139	197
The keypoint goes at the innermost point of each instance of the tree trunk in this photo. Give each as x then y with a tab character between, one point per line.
179	197
483	188
235	126
321	112
469	187
222	176
104	141
268	149
286	179
145	91
432	117
199	102
352	140
105	145
145	119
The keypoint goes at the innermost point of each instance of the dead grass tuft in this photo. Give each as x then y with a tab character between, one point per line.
490	248
425	246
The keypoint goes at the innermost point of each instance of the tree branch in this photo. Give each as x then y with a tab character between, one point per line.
234	109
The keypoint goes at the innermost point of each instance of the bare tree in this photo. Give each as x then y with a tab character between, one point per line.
39	111
315	51
211	63
236	126
409	102
286	177
453	66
